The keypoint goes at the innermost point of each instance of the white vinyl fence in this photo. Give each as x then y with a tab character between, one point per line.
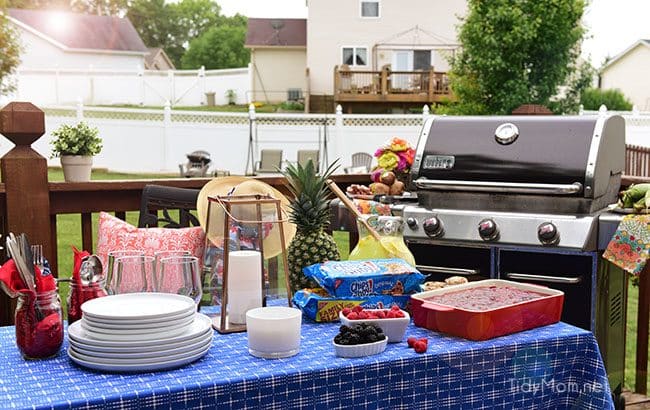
142	141
46	87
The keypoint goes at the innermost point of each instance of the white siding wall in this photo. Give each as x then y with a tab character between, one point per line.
333	24
39	53
631	75
275	70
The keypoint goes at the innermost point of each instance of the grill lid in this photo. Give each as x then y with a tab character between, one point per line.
551	155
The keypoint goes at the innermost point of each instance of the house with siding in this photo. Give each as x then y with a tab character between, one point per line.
628	72
372	55
63	40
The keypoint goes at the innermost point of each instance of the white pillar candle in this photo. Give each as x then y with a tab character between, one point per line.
273	332
244	284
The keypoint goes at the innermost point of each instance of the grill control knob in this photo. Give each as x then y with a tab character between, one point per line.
433	227
487	229
548	234
412	222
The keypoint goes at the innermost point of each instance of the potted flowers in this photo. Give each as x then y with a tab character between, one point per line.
76	146
394	160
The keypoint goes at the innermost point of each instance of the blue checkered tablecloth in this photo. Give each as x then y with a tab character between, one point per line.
554	367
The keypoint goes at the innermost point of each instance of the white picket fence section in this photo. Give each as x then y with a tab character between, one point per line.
139	140
46	87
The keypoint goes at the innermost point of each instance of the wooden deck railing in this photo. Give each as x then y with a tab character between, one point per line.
390	86
637	161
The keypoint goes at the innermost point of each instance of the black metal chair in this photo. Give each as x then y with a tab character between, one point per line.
165	198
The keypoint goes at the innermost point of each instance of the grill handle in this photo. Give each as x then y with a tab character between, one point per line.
490	186
446	270
542	278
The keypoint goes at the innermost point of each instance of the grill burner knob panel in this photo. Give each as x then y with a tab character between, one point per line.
433	227
412	223
488	230
548	233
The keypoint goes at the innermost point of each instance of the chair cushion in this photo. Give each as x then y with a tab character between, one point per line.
115	234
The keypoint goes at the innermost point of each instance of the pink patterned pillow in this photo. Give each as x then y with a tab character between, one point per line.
114	234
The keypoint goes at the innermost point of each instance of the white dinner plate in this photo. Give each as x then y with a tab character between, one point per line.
198	327
140	324
167	364
138	306
150	351
130	331
139	360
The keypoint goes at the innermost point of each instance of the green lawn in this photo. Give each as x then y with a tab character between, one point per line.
69	233
265	108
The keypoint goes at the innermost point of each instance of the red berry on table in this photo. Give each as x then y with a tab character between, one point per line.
363	315
394	308
399	313
411	341
353	316
424	340
357	308
346	311
420	347
381	314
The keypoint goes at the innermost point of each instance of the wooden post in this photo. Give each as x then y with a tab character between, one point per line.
24	174
430	83
642	319
384	80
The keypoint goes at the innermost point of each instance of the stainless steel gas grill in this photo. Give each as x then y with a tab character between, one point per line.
520	198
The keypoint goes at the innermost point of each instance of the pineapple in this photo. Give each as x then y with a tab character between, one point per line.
310	212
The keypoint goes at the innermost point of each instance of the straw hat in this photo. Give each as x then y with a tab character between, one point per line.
236	185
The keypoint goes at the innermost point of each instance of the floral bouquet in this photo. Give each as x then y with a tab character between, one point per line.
394	160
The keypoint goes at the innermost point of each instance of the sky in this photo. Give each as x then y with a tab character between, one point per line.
613	25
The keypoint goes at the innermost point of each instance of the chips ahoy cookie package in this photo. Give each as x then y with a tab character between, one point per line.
366	277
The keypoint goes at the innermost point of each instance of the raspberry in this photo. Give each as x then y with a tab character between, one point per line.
420	347
391	315
372	315
353	316
363	315
399	313
411	341
381	314
346	311
394	308
357	308
424	340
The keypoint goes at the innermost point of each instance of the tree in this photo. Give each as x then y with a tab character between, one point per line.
219	47
98	7
9	54
513	53
613	99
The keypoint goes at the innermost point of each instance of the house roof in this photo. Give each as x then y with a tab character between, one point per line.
156	52
75	31
641	42
276	33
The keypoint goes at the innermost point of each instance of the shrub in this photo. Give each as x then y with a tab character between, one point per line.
80	139
292	106
615	100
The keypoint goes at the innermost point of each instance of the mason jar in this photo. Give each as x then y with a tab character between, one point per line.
39	324
391	241
80	293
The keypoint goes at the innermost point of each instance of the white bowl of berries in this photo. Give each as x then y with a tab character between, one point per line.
393	322
359	340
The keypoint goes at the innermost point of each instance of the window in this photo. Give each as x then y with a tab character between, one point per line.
369	8
355	56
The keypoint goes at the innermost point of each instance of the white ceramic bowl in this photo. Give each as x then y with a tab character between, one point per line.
365	349
394	328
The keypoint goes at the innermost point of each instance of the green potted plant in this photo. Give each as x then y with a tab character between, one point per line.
76	145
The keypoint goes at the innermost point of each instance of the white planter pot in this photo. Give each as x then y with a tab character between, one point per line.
76	168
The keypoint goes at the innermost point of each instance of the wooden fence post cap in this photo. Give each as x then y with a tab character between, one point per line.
22	123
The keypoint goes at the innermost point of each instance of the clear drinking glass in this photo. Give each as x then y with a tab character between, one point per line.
158	257
39	324
110	267
180	275
131	273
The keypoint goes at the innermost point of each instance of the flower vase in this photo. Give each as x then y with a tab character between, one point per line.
76	168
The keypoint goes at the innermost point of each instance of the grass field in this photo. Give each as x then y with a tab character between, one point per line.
69	233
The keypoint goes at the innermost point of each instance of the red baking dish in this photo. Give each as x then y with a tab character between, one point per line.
487	324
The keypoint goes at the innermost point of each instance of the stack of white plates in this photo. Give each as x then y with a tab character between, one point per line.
139	332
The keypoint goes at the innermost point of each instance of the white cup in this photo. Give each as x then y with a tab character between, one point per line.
273	332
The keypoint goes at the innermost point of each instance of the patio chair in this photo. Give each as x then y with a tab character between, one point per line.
305	155
270	161
166	198
361	163
197	164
